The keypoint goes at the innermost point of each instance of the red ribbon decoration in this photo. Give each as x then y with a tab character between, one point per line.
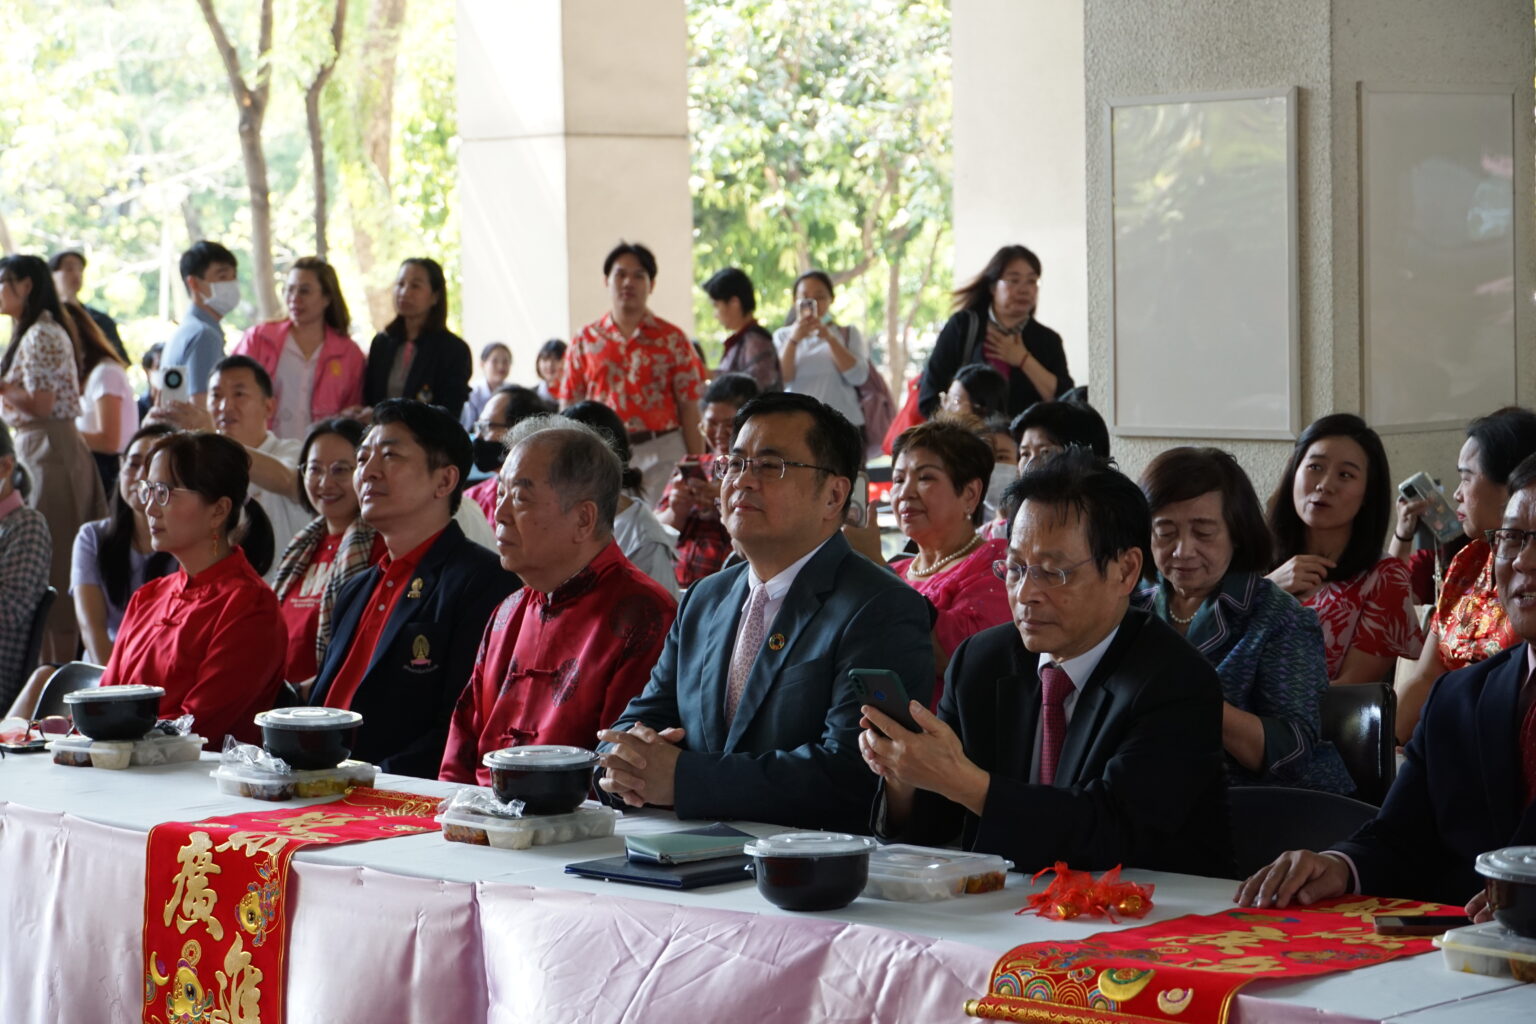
1078	894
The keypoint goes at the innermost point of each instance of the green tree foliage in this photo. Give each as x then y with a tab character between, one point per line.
821	139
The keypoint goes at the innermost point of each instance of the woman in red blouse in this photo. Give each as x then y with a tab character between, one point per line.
1329	518
211	633
1469	623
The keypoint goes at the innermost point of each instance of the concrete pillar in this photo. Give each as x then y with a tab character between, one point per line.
1018	150
573	121
1325	47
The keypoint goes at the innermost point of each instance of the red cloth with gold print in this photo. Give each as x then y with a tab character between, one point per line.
1189	969
216	900
1468	617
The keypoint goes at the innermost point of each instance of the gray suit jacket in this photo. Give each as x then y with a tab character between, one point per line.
791	755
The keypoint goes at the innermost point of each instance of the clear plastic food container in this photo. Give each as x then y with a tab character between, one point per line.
259	784
84	752
1489	949
921	874
590	821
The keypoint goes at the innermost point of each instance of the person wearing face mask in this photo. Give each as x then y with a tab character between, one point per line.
994	324
1046	428
208	272
816	356
39	400
936	491
1209	546
211	633
332	549
1470	623
1329	519
509	406
416	356
1005	464
315	366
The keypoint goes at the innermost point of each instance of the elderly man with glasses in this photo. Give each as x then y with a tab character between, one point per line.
1083	731
750	712
1467	784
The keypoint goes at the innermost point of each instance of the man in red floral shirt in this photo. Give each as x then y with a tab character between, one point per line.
563	656
641	367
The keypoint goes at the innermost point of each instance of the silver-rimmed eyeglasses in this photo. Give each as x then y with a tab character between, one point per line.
1012	573
769	467
1508	542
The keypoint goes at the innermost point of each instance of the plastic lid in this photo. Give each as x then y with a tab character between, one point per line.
309	718
583	815
921	863
809	844
540	758
110	693
1488	939
1511	864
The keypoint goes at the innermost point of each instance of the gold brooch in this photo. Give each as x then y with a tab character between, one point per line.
415	590
776	642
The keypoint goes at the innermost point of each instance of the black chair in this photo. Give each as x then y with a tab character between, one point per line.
1361	721
77	675
1268	820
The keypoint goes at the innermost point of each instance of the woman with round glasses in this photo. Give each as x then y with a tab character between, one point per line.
938	479
1469	624
211	634
332	549
1210	547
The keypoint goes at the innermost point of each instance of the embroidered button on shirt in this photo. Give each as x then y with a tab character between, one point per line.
557	667
644	378
216	642
387	592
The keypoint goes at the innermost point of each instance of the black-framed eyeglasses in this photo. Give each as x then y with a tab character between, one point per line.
1507	542
769	466
1012	573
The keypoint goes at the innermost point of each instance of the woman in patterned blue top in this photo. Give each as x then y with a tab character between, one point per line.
1209	546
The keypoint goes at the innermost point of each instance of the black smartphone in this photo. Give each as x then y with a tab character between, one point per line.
881	688
1425	924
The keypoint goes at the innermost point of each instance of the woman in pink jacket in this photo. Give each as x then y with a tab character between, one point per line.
316	368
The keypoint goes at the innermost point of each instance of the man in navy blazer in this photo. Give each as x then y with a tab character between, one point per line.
406	631
750	713
1469	774
1084	731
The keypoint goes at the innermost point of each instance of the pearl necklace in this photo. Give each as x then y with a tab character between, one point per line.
971	545
1179	619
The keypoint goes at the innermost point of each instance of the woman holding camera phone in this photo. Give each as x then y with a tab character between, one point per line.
818	357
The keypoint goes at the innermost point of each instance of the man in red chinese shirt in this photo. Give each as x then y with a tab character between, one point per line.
563	656
641	367
405	630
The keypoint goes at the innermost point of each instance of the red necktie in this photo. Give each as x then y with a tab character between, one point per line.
1056	685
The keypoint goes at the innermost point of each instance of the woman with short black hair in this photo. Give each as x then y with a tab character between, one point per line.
1328	518
1210	546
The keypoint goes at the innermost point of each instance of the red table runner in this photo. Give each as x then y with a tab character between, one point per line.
216	907
1190	968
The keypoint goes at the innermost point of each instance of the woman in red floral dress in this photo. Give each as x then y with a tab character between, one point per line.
1469	623
1329	518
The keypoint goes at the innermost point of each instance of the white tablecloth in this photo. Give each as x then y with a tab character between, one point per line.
415	928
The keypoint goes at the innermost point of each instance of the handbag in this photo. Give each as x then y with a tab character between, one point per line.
909	416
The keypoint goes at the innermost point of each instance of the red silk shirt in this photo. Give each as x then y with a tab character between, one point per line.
556	668
645	378
381	605
216	642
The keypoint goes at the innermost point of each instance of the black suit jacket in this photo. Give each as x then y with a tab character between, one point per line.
439	373
406	707
949	355
1457	794
1140	781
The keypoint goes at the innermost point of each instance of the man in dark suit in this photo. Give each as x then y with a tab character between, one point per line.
1467	782
406	631
750	712
1084	731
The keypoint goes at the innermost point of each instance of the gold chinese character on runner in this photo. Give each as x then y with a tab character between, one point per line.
191	887
304	828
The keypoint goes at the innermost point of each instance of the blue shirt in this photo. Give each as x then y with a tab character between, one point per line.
198	345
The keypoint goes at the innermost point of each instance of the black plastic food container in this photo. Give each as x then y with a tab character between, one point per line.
811	870
547	779
309	738
1510	879
115	712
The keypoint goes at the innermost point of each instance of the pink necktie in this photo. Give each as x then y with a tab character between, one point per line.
748	642
1056	685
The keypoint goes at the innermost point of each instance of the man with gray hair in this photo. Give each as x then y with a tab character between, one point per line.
563	656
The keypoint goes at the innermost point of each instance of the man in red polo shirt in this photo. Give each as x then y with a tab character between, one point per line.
641	367
405	631
563	656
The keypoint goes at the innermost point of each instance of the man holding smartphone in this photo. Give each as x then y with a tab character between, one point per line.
1468	778
751	712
